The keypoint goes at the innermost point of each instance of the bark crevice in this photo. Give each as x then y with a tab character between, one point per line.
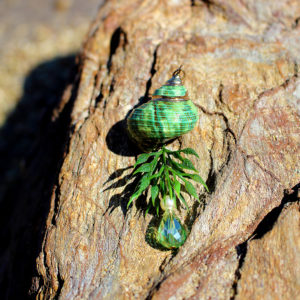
264	226
152	72
118	38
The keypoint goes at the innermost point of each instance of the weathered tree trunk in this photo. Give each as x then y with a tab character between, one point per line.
241	63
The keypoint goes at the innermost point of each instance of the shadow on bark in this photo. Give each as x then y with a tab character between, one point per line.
31	149
117	139
118	142
122	198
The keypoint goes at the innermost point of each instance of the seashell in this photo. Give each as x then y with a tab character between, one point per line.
168	115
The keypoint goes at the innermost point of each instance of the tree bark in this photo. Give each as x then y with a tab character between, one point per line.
241	63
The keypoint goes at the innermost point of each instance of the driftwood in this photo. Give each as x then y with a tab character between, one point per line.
241	63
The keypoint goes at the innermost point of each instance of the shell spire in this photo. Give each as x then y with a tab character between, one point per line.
173	87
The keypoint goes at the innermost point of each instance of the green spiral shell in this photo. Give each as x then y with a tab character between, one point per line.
165	117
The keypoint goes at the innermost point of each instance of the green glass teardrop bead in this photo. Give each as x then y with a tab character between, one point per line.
171	233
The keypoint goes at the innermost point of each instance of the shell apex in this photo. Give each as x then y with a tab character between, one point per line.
173	87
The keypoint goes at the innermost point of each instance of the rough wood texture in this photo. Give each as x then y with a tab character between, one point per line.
241	62
272	265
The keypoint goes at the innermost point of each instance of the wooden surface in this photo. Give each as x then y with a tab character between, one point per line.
241	63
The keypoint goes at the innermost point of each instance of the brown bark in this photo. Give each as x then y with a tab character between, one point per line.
241	63
272	264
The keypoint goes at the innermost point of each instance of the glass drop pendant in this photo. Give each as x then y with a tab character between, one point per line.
171	233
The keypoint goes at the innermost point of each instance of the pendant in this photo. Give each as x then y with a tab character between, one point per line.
169	114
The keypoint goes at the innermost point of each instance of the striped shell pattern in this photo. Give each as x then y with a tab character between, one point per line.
168	115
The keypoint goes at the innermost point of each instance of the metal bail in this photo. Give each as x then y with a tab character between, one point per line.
175	80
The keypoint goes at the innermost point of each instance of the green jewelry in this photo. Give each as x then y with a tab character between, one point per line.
167	116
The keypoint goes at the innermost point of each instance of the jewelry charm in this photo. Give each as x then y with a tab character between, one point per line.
167	116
